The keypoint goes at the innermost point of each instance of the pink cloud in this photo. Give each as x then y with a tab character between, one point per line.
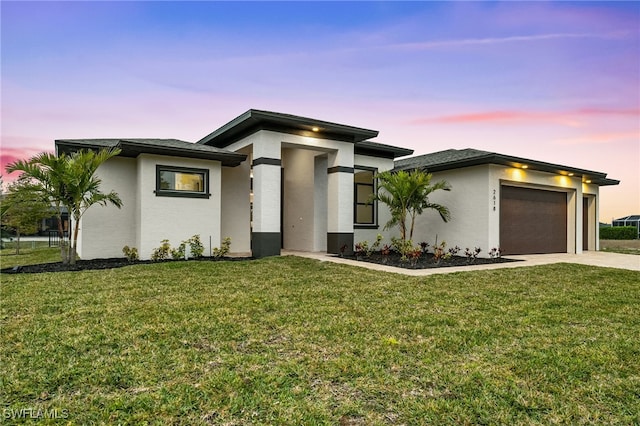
601	138
571	118
10	154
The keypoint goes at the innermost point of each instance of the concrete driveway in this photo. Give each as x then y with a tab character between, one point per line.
591	258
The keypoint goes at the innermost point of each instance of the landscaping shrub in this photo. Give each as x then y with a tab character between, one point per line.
619	233
179	253
162	252
131	253
197	249
225	246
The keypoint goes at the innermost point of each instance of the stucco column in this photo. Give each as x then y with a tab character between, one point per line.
267	163
340	200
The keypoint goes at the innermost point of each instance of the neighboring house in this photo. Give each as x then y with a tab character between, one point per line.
632	220
274	181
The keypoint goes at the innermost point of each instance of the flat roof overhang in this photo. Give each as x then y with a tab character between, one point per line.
256	120
375	149
597	178
169	147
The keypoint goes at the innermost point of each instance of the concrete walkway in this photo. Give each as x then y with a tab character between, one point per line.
592	258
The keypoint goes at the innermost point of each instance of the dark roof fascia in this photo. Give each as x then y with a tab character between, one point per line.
606	182
375	149
597	178
253	121
131	148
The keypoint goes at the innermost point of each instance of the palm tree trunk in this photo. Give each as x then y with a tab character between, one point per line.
413	220
72	250
64	253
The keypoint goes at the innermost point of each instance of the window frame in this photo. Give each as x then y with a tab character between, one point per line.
373	204
179	193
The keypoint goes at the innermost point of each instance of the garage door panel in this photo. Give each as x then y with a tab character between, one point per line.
532	221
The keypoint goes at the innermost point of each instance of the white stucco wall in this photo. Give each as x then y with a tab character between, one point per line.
236	208
381	164
316	202
476	213
320	198
105	230
469	203
592	192
298	214
547	181
176	218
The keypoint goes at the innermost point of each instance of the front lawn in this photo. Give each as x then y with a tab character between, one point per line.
28	256
295	341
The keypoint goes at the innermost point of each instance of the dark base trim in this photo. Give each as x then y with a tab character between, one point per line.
267	161
340	169
265	244
335	240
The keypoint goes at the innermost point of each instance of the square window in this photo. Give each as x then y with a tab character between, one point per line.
182	182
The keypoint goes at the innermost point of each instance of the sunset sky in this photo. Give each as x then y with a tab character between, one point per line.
551	81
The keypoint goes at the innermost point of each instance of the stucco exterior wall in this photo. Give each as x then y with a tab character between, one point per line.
105	230
318	188
502	175
592	192
469	203
361	234
236	207
298	214
475	206
176	218
320	206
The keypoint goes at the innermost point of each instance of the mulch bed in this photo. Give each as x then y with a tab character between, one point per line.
427	261
96	264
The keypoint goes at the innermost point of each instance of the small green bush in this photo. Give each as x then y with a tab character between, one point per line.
223	250
403	247
197	249
178	253
131	253
619	233
162	252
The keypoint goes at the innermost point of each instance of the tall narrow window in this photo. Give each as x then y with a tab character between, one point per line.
364	211
182	182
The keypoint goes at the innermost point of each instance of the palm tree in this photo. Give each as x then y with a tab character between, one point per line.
83	188
407	195
47	171
69	181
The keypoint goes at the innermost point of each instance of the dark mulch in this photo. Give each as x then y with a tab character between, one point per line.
96	264
427	261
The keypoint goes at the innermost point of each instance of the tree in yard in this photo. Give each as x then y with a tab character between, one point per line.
407	196
23	207
69	181
48	171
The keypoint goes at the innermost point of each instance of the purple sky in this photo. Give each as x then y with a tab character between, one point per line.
556	82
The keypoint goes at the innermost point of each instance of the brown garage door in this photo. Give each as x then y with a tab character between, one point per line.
532	221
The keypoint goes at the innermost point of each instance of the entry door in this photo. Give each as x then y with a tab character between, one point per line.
532	221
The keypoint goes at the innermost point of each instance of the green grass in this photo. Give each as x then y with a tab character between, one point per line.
28	256
294	341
